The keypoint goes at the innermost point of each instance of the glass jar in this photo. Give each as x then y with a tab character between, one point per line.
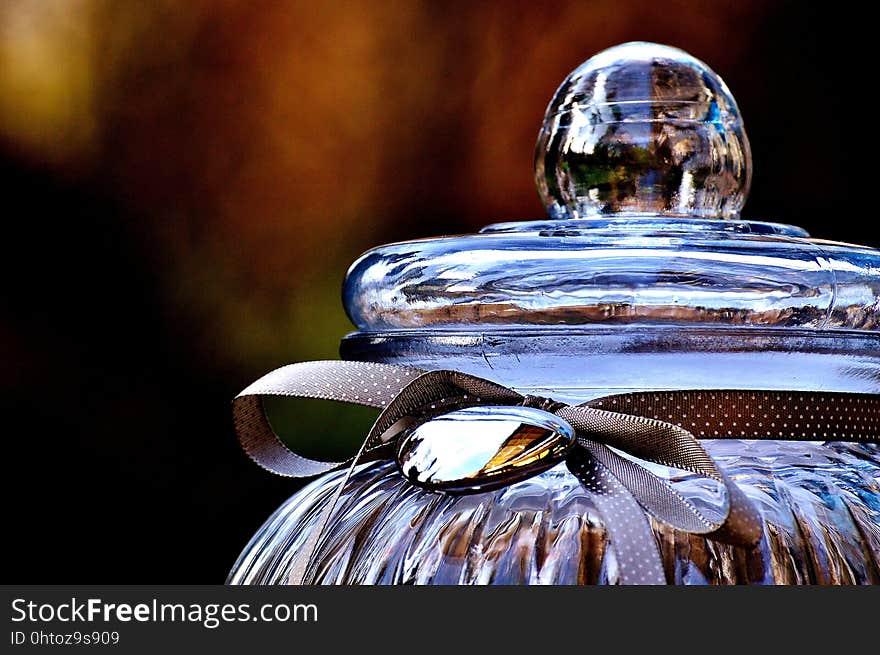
643	278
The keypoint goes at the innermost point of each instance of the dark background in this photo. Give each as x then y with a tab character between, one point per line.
184	184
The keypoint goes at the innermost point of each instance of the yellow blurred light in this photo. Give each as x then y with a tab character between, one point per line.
47	77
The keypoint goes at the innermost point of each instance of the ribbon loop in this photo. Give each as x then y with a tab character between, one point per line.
363	383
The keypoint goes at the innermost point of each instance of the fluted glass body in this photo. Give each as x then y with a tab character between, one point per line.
820	502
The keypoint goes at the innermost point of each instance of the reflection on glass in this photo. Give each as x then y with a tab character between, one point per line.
480	447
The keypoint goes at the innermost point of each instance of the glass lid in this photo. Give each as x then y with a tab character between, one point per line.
643	164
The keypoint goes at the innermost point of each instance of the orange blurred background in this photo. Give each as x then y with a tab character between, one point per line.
185	184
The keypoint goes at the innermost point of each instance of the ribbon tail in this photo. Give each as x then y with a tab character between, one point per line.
670	445
655	495
628	531
302	560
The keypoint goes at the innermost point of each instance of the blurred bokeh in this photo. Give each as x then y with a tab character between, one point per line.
185	183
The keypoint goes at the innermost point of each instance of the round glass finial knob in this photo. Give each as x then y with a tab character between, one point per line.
643	128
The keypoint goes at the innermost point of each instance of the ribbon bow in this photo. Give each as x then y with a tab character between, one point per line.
655	426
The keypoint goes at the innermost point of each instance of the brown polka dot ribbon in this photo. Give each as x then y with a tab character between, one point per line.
661	427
